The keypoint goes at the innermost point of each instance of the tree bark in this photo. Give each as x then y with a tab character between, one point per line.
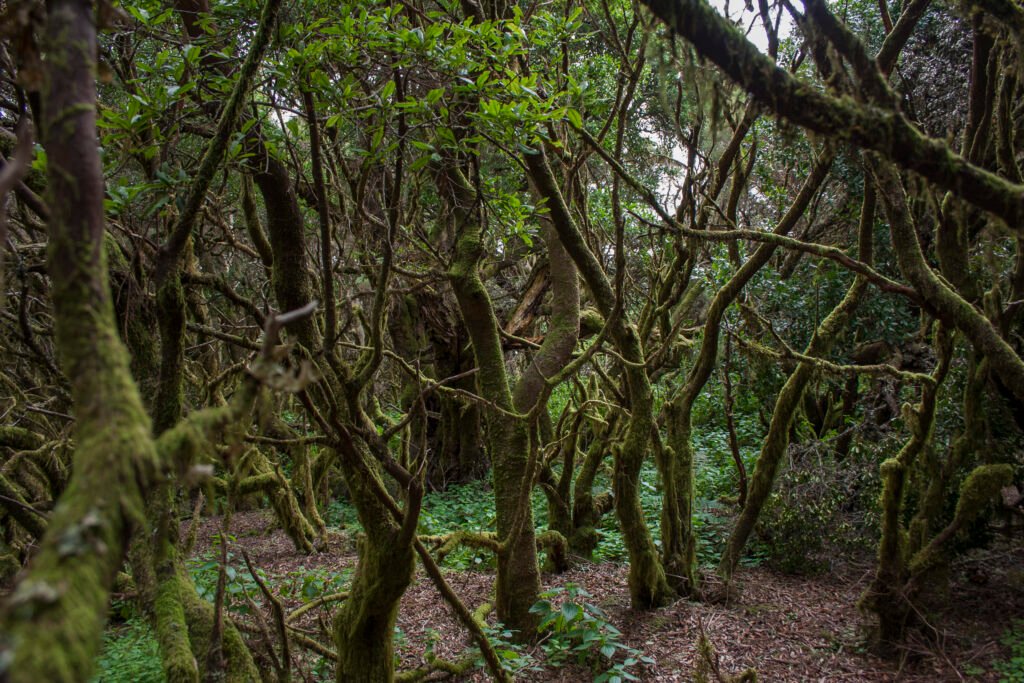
53	620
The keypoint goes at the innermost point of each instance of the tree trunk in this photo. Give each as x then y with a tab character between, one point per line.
53	620
364	625
648	586
788	402
678	538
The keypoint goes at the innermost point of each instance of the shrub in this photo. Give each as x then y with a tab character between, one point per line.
819	509
577	630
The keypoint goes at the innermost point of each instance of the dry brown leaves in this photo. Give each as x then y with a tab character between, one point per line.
788	628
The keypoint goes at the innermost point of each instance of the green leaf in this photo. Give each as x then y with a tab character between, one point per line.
541	607
571	611
434	95
419	162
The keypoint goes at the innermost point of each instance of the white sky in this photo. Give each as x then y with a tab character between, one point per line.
738	13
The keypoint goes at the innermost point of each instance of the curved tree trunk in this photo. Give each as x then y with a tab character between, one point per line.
518	580
648	586
52	622
788	401
678	538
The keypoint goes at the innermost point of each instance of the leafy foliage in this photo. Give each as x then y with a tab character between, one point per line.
1012	670
577	630
130	653
819	508
515	658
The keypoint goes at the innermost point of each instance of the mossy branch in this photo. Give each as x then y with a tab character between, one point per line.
435	664
218	144
881	129
277	607
313	604
937	293
979	489
446	544
825	365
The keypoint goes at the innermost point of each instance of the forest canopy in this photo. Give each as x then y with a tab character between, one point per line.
505	286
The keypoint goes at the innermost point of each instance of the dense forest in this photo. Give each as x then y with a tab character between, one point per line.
487	340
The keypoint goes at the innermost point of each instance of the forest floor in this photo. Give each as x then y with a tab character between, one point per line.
788	628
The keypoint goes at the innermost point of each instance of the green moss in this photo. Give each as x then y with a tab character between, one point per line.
9	564
19	438
54	618
179	663
15	505
365	623
518	582
978	490
282	498
980	487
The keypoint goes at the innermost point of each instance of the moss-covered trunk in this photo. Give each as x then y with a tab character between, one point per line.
364	625
884	597
532	390
182	620
268	478
789	399
647	583
587	509
678	538
908	554
911	555
52	622
518	581
517	585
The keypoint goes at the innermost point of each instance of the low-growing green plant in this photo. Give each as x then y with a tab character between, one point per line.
610	544
577	630
461	507
340	514
514	657
205	571
710	523
309	584
130	653
1012	670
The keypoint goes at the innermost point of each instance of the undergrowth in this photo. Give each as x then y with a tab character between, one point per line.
573	631
1011	670
130	653
576	630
